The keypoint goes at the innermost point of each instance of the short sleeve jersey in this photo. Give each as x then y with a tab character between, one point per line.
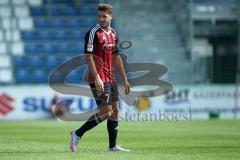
102	45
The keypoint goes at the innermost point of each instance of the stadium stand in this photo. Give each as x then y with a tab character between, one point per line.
40	35
37	35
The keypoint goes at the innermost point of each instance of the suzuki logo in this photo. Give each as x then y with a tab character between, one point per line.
5	106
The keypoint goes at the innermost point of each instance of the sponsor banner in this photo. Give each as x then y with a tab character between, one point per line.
201	101
183	103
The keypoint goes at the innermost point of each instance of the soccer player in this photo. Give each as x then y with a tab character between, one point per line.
101	53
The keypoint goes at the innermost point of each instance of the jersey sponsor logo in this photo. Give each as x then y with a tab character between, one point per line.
5	106
90	47
104	38
109	47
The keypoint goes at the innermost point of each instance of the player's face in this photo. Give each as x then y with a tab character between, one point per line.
104	19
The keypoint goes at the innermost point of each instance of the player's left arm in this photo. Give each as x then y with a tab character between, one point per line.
117	61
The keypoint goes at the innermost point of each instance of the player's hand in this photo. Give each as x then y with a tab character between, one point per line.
99	84
127	87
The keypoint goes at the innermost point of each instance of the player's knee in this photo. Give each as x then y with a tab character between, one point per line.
104	111
102	115
115	112
115	109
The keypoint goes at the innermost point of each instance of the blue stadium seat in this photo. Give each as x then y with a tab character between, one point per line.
74	77
40	76
77	35
41	23
60	35
66	2
63	48
47	48
66	58
53	61
89	1
58	23
20	62
77	48
83	70
90	22
74	35
77	76
44	35
31	48
58	77
28	35
77	23
74	23
38	11
56	11
68	35
36	62
87	11
22	76
70	11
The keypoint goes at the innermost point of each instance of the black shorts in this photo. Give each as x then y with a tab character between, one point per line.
106	97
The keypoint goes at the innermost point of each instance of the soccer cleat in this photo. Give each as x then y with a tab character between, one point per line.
74	141
118	148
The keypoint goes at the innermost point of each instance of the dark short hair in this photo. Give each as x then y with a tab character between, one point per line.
105	7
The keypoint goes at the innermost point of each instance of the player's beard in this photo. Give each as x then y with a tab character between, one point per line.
104	25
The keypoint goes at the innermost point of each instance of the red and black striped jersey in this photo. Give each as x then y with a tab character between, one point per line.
102	45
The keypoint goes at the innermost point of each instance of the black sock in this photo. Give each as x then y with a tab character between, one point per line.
112	126
92	122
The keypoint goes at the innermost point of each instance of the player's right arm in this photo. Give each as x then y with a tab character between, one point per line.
89	48
93	71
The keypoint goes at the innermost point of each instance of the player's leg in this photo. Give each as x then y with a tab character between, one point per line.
92	122
95	119
112	123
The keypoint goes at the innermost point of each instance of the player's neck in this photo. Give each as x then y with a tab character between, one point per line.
107	29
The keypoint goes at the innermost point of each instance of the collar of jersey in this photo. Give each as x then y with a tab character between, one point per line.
104	30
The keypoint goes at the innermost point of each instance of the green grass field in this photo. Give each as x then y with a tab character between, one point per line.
49	140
